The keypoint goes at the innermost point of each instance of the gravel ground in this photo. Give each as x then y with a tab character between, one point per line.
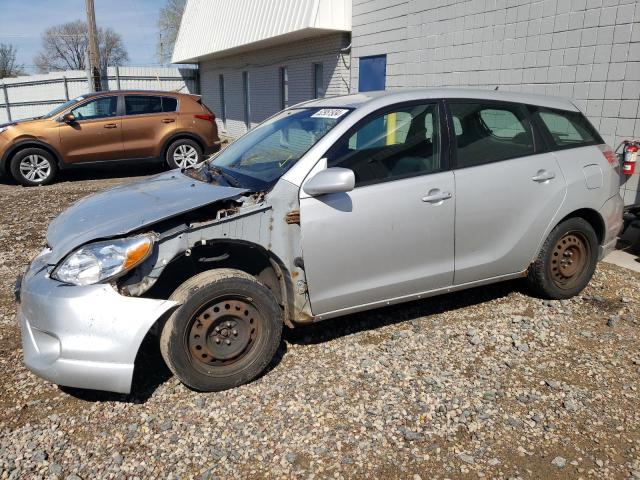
486	383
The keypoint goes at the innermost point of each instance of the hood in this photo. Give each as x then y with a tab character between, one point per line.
22	120
126	208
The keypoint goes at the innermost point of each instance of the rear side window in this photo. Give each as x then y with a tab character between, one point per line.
568	129
491	132
392	145
169	104
141	104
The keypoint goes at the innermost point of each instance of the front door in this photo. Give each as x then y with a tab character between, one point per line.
507	194
148	121
392	236
96	134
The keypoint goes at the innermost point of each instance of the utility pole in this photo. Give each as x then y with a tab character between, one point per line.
161	51
94	53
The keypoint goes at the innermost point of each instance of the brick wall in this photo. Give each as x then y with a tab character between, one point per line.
587	50
264	85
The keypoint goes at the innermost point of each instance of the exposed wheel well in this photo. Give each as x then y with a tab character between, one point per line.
594	219
248	257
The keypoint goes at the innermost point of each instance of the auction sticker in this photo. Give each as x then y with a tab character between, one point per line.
330	113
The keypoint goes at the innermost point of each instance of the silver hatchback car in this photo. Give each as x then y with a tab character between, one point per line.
329	207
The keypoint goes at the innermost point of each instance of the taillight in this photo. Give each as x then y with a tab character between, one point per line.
611	157
206	116
630	153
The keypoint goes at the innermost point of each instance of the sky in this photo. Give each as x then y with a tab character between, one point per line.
22	23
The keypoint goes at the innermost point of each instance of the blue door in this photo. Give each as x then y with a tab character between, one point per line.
373	72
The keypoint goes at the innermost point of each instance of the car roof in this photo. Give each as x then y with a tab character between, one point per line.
138	92
382	98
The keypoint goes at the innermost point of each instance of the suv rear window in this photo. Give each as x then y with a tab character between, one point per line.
569	129
139	104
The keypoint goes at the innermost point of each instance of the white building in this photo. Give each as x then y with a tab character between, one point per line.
259	56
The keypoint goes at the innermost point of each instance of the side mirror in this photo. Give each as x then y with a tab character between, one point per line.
331	180
68	118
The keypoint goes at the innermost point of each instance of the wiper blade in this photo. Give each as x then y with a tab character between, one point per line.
233	181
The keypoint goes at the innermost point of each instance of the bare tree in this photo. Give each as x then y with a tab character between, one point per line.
169	24
64	47
8	65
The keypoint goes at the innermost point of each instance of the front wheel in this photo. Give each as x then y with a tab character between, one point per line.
225	332
33	166
566	261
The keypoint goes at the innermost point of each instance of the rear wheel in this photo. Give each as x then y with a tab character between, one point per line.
33	166
566	261
225	332
184	153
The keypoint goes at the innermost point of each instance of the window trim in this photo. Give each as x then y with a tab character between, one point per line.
124	105
538	145
444	138
92	99
545	133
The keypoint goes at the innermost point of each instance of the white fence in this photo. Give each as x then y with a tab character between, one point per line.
34	95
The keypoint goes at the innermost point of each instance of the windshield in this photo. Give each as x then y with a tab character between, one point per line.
274	146
60	108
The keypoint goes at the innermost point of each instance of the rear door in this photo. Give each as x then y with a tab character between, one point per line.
148	121
508	189
96	135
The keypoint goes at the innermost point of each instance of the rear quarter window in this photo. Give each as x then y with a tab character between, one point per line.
568	129
169	104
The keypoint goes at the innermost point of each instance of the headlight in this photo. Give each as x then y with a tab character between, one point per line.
102	261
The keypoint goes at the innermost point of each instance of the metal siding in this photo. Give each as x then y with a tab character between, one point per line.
263	67
212	26
35	95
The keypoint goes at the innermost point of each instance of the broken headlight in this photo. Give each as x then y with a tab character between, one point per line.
100	261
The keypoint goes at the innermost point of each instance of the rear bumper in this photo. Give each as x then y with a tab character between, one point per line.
84	337
611	212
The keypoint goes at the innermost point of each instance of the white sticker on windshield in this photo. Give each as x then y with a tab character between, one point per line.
330	113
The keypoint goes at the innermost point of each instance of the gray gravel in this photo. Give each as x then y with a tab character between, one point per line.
486	383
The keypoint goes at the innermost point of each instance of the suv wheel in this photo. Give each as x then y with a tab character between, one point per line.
33	166
225	332
184	153
567	260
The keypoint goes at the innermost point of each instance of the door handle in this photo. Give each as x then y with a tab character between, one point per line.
110	125
543	176
436	196
168	120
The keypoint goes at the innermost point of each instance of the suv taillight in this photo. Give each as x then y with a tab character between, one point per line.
206	116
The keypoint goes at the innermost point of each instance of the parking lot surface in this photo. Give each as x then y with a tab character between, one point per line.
485	383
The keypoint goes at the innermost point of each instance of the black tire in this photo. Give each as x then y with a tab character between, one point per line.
566	261
248	314
33	166
192	153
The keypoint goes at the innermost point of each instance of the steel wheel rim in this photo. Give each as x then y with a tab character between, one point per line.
185	156
35	168
569	259
222	333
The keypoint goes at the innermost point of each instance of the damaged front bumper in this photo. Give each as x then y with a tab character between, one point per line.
84	337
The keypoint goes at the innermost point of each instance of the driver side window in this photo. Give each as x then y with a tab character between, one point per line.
102	107
397	144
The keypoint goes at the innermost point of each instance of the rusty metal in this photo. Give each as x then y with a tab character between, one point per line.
293	217
223	333
569	259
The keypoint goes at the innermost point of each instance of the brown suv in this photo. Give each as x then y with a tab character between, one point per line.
109	126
